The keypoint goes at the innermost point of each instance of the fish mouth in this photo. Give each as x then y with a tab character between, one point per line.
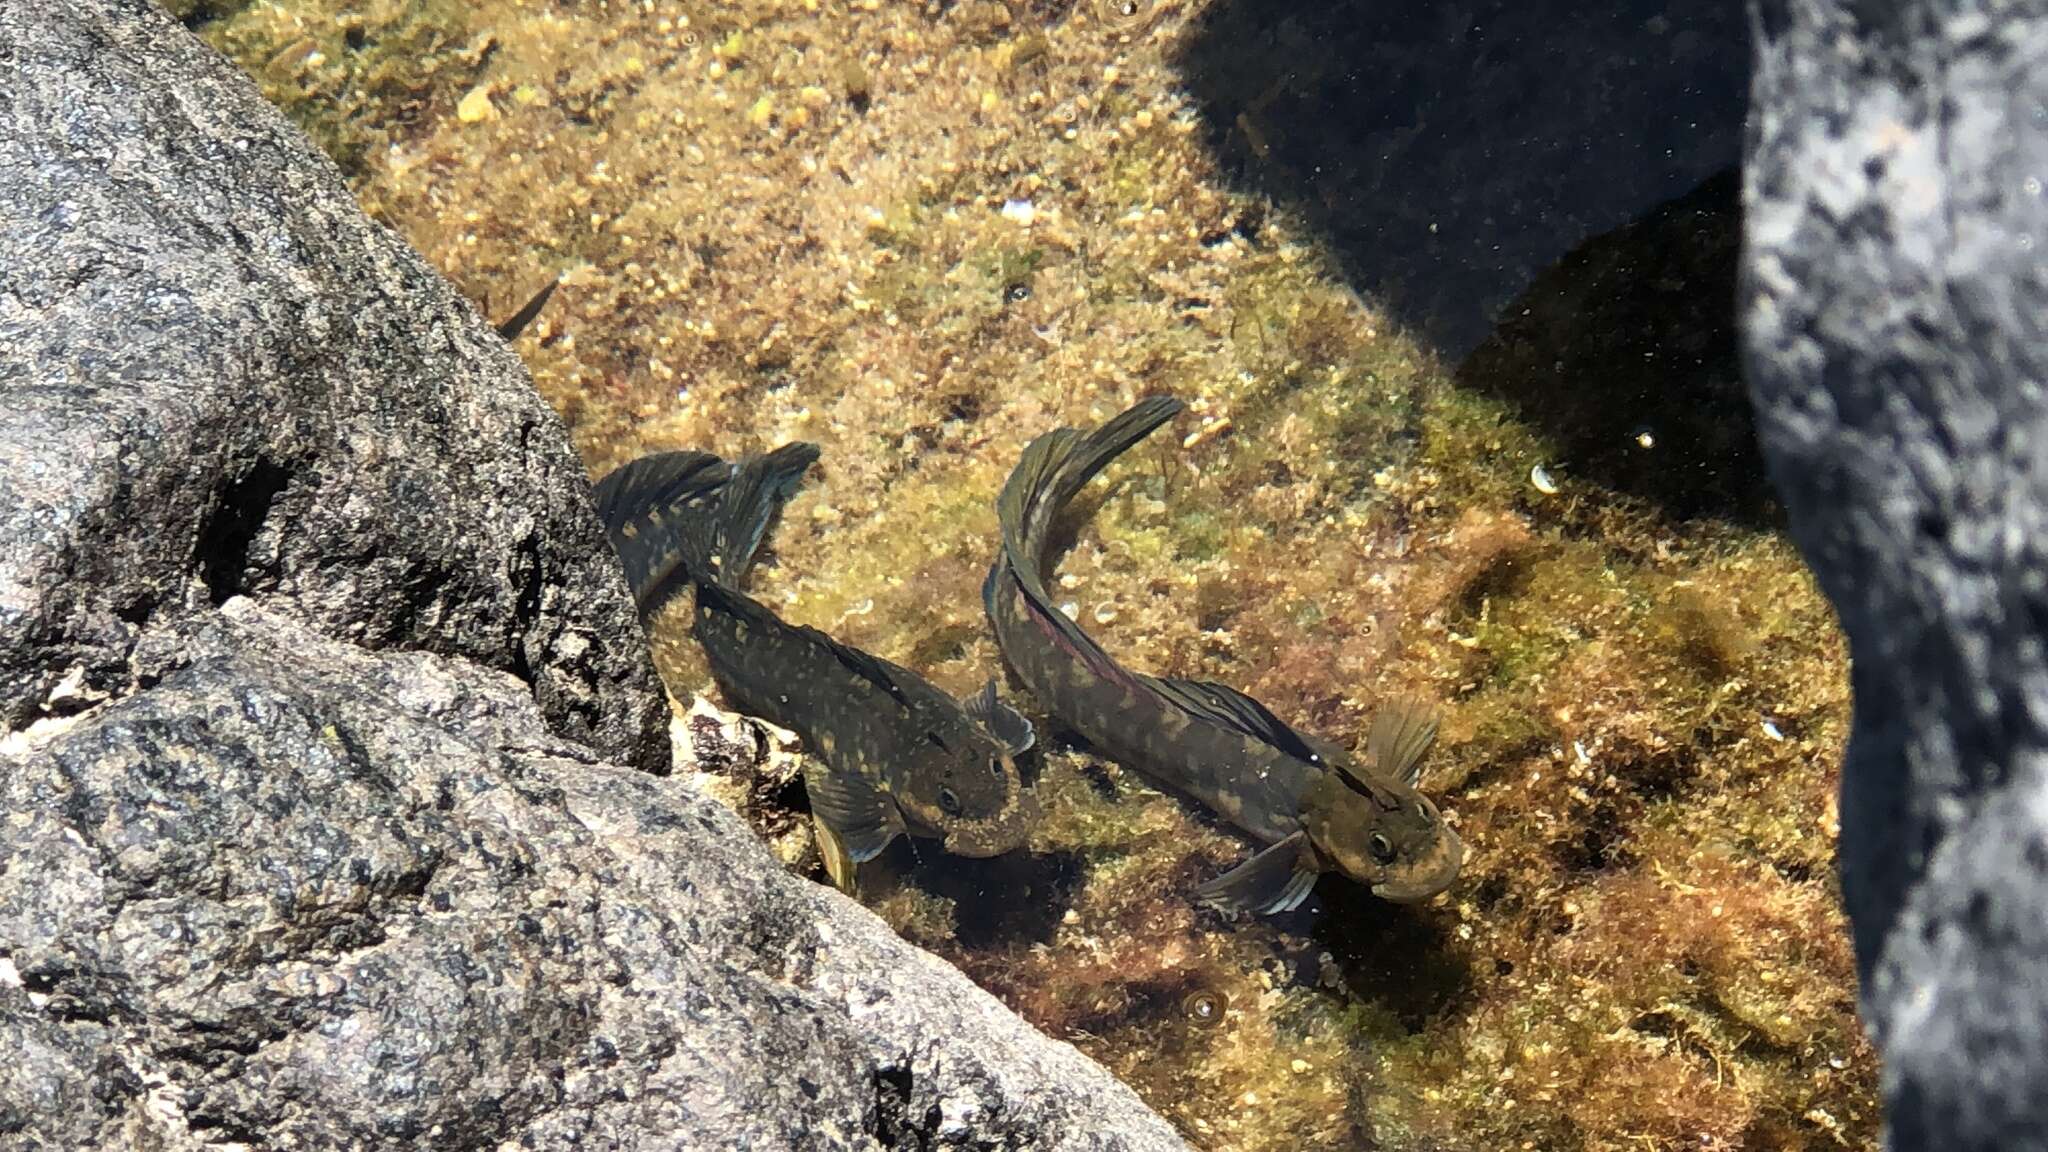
1006	831
1428	876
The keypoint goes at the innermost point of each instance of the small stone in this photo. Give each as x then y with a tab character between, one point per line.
476	107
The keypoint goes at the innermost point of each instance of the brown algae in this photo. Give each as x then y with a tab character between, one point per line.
920	234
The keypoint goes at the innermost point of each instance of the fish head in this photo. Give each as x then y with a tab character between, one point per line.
964	786
1386	836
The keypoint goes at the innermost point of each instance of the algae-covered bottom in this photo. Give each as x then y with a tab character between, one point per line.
920	234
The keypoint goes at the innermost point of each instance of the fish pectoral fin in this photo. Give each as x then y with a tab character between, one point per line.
1003	722
860	815
1401	733
838	864
1275	880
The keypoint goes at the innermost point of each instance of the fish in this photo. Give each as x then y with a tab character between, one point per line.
1314	807
892	753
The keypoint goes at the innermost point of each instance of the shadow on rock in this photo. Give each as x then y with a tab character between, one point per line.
1624	355
1449	151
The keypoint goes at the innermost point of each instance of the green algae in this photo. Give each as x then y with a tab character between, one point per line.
789	220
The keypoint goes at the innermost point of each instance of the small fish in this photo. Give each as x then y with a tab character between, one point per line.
892	753
1316	807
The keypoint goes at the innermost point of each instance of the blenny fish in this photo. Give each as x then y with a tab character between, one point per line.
891	753
1315	807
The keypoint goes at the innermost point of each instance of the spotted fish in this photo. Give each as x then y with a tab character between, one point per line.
892	753
1315	807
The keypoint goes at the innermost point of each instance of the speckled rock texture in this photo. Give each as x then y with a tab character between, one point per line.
1894	301
325	818
219	378
293	893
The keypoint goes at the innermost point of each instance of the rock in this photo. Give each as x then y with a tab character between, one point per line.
1892	301
325	721
222	380
300	894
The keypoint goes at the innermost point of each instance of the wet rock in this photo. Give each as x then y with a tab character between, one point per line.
303	894
1892	298
324	717
222	380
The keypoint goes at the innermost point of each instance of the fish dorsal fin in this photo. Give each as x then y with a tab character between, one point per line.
870	668
1400	734
1277	879
1227	706
1003	722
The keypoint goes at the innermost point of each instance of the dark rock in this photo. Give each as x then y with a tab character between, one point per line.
1893	295
221	379
301	894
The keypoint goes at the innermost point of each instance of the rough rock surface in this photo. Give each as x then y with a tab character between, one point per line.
221	379
299	894
1894	303
324	714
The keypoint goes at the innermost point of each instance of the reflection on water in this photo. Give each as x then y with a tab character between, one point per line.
921	233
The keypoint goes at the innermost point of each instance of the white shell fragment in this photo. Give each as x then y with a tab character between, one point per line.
1539	478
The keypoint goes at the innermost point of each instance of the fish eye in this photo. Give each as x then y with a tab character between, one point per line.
995	768
1382	849
949	801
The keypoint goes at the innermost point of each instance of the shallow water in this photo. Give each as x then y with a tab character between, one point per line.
919	234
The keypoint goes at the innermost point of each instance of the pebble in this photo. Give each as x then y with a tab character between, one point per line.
476	107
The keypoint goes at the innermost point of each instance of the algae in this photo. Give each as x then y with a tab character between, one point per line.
922	233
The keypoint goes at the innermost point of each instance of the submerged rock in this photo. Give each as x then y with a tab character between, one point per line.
1892	296
325	721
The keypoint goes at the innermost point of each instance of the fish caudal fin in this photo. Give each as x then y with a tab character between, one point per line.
1057	465
657	510
1052	469
1278	879
1400	734
760	486
530	311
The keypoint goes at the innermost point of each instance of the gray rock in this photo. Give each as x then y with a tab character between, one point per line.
297	893
324	714
221	379
1893	301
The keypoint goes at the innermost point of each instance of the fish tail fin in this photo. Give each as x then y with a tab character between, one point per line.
1057	465
760	486
517	323
658	511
